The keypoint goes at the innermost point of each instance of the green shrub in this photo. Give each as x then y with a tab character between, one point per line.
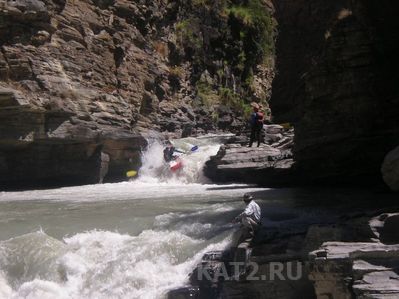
206	94
176	71
187	33
258	27
233	100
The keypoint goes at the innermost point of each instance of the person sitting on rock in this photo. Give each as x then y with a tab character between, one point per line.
169	152
250	219
256	123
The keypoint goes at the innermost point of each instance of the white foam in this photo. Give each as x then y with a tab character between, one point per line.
154	169
101	264
5	289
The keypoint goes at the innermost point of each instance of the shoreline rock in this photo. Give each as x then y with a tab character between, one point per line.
360	269
340	255
271	164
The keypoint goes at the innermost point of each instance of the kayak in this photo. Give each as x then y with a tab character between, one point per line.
175	165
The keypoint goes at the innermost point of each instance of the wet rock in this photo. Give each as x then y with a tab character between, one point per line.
390	169
184	293
209	275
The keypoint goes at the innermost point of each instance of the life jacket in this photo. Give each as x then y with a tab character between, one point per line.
260	116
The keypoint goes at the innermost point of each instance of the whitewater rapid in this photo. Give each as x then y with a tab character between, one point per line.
134	239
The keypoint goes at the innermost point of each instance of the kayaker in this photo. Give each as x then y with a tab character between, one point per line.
169	151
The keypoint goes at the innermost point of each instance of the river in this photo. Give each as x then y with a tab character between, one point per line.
141	238
134	239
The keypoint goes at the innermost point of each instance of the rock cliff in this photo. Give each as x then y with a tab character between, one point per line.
81	82
336	82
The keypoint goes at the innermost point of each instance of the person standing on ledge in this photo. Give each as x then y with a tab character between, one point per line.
256	123
250	219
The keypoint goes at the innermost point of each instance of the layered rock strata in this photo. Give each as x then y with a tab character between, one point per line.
81	82
359	269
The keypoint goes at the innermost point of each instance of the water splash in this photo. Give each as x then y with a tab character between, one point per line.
101	264
154	169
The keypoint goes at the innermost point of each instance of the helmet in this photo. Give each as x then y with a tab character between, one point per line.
247	197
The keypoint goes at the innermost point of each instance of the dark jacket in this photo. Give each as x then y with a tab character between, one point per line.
168	153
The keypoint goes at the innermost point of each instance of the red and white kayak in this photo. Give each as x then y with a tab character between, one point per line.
175	165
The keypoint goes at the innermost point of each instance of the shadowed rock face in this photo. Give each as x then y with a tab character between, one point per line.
337	63
390	169
367	268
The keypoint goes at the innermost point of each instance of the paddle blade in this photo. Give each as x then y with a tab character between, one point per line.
194	148
131	173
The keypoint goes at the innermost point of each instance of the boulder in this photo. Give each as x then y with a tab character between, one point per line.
385	228
390	169
189	292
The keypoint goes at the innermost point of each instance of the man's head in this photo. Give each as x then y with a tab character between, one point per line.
255	107
168	143
247	198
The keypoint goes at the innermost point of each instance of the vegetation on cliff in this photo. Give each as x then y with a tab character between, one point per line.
225	42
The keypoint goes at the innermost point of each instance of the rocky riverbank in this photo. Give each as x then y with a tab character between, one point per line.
327	253
360	269
271	164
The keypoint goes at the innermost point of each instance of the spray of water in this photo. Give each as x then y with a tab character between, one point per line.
155	169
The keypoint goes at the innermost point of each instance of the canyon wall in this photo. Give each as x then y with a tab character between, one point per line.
336	82
83	82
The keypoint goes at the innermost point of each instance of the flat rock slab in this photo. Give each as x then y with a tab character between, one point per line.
343	250
265	165
370	270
